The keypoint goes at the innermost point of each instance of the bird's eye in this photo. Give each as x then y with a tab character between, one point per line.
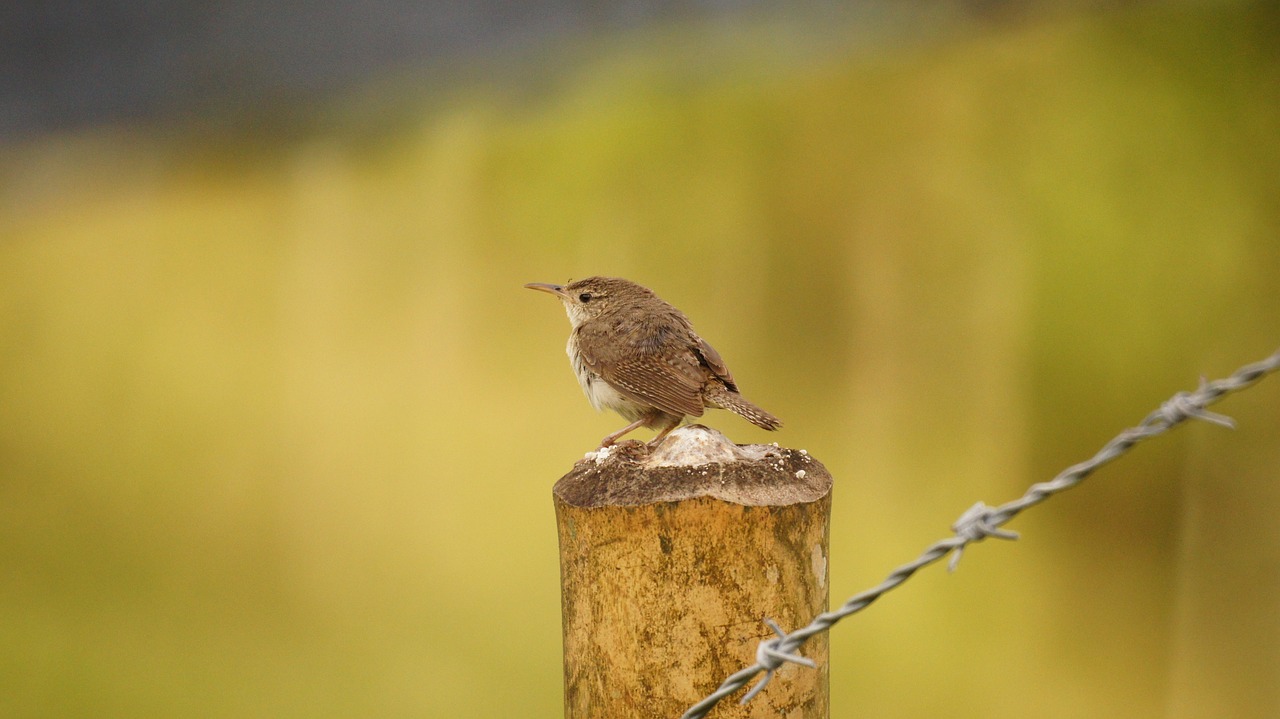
584	297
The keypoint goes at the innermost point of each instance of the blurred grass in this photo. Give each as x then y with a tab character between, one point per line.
278	424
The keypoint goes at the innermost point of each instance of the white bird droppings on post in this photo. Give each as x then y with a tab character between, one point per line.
601	454
695	445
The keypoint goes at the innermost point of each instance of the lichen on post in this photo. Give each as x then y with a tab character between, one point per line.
672	558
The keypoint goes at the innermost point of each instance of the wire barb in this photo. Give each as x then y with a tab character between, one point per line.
772	654
981	521
1187	405
976	524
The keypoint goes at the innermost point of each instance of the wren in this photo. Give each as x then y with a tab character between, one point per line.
637	355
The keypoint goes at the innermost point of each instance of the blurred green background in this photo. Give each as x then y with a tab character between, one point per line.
278	424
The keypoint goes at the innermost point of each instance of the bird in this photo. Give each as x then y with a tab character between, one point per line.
639	356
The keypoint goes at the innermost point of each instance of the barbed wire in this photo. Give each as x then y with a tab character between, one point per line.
981	521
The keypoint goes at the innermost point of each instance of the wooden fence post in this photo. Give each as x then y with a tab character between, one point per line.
671	560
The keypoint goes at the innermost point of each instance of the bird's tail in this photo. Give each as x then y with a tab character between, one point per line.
717	395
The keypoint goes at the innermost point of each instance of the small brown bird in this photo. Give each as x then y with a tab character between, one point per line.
639	356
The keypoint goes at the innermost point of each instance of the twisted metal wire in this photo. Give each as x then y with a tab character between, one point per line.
981	521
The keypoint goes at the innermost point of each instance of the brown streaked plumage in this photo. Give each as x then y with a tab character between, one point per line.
637	355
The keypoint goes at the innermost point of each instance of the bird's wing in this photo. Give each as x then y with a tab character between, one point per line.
712	361
648	373
673	385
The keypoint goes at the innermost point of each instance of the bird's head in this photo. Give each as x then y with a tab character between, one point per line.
593	297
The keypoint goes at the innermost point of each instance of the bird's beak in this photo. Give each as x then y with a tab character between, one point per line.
557	290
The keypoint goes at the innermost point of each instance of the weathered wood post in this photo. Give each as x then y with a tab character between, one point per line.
671	560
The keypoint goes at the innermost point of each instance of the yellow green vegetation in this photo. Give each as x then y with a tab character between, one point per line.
278	423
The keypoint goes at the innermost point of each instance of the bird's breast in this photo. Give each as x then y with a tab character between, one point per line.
600	393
